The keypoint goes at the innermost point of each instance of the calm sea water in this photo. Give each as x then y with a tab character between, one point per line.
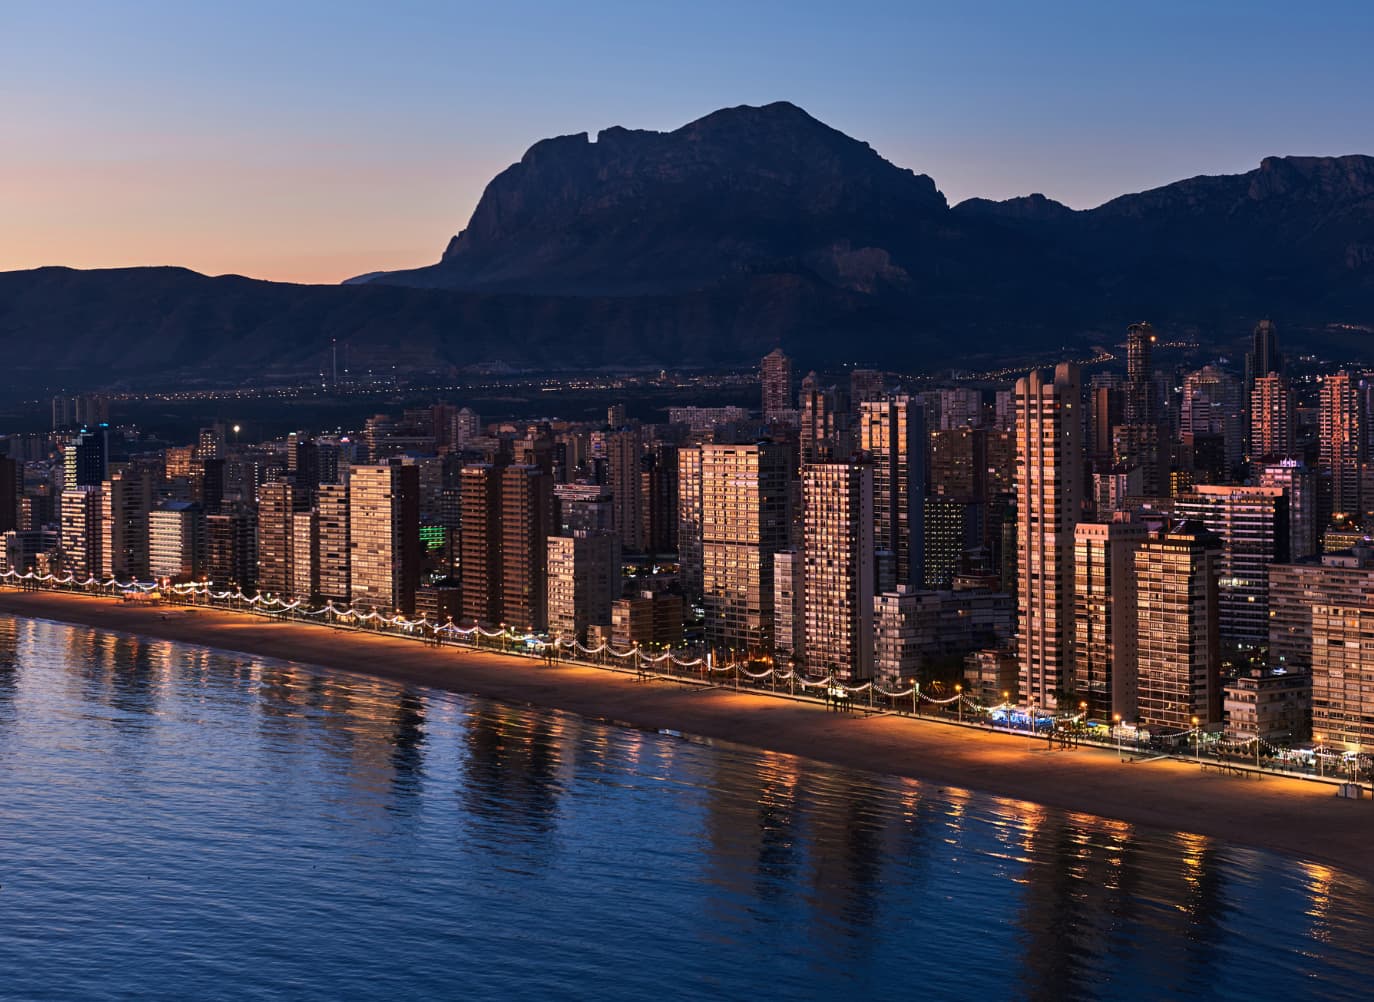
178	822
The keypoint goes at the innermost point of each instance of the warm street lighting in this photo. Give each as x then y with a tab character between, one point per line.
959	701
1197	741
1116	720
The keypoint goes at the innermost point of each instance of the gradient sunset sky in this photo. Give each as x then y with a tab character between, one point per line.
310	141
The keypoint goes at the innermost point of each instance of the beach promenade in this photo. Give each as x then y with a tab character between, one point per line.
1291	816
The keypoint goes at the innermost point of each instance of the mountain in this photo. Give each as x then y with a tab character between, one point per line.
741	191
749	228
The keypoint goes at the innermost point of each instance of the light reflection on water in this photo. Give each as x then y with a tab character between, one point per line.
181	822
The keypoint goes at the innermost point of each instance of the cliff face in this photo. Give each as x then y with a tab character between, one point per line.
741	191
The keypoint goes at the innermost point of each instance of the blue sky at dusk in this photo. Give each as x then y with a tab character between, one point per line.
308	141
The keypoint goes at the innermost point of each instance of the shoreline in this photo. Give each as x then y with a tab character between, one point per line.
1293	817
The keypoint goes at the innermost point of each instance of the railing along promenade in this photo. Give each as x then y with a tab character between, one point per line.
1255	757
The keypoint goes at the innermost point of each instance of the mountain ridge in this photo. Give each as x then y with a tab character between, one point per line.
749	228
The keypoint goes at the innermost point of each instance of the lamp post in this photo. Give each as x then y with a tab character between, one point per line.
959	701
1116	720
1197	741
1320	772
1006	708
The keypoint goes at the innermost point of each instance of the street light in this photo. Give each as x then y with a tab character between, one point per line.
1006	708
1320	772
1197	741
959	701
1116	720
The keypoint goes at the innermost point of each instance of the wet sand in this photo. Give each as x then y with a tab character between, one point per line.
1290	816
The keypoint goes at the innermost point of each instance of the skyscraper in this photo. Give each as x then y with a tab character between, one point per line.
1105	617
623	451
1049	499
775	373
893	434
526	521
335	582
1251	524
176	541
1213	408
744	522
789	610
87	457
79	533
11	487
1299	484
1263	356
1272	433
584	580
838	570
1341	448
126	500
1178	649
384	537
278	502
689	556
480	566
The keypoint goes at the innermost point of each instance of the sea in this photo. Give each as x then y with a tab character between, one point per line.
178	822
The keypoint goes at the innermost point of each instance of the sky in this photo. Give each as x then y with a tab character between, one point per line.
309	141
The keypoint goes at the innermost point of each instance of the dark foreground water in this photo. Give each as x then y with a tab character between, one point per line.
177	822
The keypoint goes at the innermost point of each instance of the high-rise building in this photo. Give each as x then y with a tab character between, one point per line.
305	554
1299	484
583	508
79	532
960	408
1272	431
1049	499
384	537
1343	579
335	582
658	487
584	581
825	429
210	442
623	451
1213	408
689	556
467	425
1178	645
86	457
914	627
1341	446
278	502
1105	617
838	568
11	489
1252	526
789	611
952	527
775	373
893	434
865	385
480	566
526	523
744	522
127	499
1343	675
959	463
176	541
231	559
1263	357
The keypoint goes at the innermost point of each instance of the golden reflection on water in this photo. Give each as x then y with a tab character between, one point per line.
771	827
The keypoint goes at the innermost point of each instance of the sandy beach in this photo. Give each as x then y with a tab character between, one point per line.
1290	816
